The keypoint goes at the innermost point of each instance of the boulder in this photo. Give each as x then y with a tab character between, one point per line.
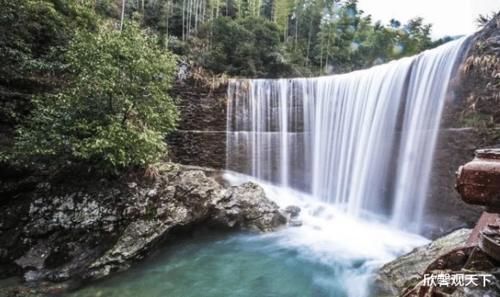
406	270
68	233
293	211
247	207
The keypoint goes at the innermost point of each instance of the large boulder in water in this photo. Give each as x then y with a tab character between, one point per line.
247	207
406	270
85	231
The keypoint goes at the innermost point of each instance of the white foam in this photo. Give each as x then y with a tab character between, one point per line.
332	237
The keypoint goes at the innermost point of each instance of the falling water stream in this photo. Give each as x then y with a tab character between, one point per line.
354	151
362	141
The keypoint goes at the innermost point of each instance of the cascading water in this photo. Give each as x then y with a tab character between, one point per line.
362	141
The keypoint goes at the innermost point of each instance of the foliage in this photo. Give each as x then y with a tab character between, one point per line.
101	94
348	40
256	51
115	111
484	19
314	36
34	34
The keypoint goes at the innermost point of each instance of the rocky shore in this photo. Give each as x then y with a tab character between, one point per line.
405	275
394	277
70	234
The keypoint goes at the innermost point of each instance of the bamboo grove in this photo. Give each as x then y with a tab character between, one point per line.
313	36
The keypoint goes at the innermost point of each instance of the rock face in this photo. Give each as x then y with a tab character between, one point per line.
444	210
471	120
201	137
476	87
247	207
85	232
195	147
397	275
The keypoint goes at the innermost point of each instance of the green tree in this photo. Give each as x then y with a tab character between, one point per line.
281	13
416	37
115	111
315	36
248	47
33	35
336	36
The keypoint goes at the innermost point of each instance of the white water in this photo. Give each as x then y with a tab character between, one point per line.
362	141
330	237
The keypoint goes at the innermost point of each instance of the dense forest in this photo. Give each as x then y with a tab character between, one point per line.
87	80
276	37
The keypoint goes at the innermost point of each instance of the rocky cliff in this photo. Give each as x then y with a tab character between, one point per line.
201	135
80	231
471	120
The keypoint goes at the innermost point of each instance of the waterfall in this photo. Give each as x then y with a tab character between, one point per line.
363	141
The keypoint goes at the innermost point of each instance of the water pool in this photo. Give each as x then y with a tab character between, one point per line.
331	255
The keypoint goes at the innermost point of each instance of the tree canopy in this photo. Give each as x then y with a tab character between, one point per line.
303	37
97	94
87	81
116	110
33	36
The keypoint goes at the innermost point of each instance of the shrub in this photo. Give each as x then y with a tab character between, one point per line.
115	111
34	33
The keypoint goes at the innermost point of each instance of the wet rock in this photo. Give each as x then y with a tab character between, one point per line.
88	232
58	256
25	292
406	270
35	257
293	211
247	207
3	253
132	245
475	292
152	193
